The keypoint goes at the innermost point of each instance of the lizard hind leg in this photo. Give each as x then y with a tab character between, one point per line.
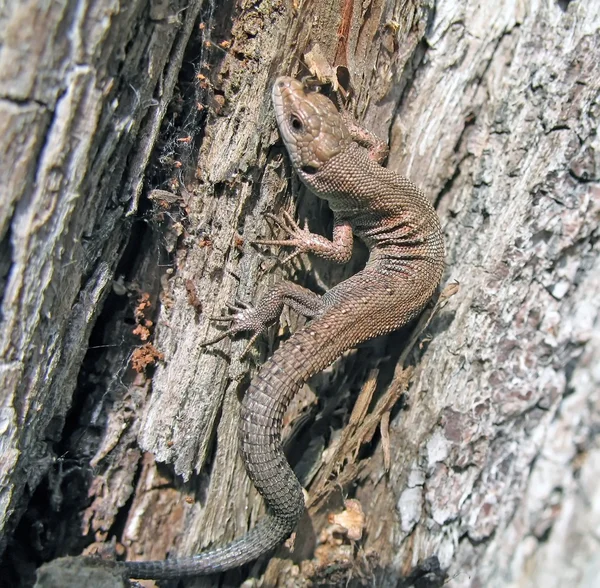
256	319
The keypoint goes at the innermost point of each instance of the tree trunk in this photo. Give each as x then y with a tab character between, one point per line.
492	108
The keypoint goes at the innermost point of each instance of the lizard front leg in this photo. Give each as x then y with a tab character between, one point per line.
338	250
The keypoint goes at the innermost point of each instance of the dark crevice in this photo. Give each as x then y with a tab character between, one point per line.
488	65
583	178
564	4
447	187
6	259
427	574
562	127
25	101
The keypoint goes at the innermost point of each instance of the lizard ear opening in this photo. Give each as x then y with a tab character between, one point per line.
309	169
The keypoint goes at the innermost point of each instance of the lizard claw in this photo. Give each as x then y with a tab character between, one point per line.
239	306
285	222
244	317
299	237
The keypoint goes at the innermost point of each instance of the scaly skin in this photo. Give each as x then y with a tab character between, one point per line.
402	231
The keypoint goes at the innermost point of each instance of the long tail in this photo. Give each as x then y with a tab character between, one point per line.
264	537
262	411
385	305
307	352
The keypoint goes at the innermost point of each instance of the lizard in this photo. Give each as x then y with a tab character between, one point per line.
340	162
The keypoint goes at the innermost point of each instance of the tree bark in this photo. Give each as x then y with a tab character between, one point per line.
84	87
492	108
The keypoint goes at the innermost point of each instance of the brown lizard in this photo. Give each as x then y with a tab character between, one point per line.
340	162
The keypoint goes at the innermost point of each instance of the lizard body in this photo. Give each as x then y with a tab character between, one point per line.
402	231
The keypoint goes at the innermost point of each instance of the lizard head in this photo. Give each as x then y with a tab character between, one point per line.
311	127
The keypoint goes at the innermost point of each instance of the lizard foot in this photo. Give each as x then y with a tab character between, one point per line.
300	238
243	317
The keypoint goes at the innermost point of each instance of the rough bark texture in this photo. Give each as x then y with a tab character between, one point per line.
84	87
498	453
492	108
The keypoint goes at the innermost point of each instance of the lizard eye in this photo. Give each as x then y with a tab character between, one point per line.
296	123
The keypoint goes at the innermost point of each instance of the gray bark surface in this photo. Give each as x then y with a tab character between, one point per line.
491	108
498	453
84	86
